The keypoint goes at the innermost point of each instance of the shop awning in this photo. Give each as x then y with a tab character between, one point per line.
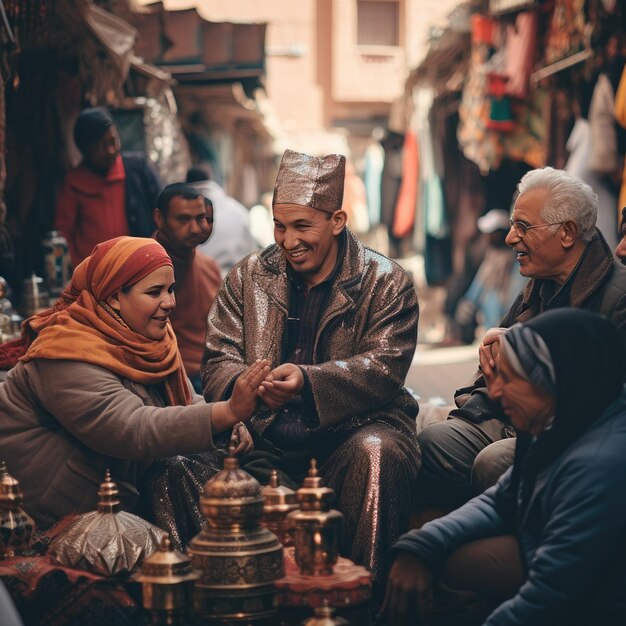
119	39
197	51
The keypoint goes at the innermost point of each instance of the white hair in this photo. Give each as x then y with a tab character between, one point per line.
569	198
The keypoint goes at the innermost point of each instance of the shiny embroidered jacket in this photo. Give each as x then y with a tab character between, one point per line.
362	351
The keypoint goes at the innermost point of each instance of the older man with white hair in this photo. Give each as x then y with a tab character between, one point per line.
553	231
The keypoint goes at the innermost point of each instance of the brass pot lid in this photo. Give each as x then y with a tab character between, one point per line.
231	483
107	541
277	497
166	566
324	616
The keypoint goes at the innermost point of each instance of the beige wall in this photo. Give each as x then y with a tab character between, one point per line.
365	73
422	15
291	80
317	75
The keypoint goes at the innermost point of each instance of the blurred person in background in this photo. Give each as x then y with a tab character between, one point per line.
232	239
261	223
110	193
184	219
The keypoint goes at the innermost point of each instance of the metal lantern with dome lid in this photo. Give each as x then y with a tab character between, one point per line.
167	580
16	526
317	527
108	541
239	560
278	502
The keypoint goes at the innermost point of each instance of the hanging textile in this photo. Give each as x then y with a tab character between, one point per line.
432	201
374	159
404	215
603	158
479	144
520	47
566	32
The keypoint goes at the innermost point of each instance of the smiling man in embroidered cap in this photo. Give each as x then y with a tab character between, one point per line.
338	323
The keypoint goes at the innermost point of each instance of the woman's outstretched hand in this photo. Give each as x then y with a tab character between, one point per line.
246	390
242	403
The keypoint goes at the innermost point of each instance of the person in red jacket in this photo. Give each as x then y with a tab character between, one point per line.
108	194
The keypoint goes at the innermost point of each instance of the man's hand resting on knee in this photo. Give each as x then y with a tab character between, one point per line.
409	595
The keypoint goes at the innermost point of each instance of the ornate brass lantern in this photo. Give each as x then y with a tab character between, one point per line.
107	541
239	559
16	526
167	585
317	526
278	502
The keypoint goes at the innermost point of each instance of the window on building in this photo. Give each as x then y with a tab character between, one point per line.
378	22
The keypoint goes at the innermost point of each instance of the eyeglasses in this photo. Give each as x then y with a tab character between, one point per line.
521	229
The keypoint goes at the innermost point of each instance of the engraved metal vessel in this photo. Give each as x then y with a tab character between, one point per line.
167	579
325	616
239	560
317	527
16	526
108	541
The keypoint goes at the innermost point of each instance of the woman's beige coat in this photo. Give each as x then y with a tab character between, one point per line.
64	423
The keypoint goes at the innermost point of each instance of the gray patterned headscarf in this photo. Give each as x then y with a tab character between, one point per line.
527	354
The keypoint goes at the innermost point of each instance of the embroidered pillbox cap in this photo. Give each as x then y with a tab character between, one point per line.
315	182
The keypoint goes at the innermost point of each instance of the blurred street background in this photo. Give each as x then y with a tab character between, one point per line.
439	105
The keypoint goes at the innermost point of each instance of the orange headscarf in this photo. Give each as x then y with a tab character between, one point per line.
81	327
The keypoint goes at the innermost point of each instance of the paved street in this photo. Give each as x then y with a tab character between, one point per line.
437	372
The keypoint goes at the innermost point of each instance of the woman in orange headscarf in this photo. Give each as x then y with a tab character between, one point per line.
102	386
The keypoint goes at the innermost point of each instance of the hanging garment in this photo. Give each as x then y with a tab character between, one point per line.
603	136
479	144
521	41
620	116
404	215
579	145
374	159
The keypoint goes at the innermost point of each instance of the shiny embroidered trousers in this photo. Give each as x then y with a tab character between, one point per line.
373	474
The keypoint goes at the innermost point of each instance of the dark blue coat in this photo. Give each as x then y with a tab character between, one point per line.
572	533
